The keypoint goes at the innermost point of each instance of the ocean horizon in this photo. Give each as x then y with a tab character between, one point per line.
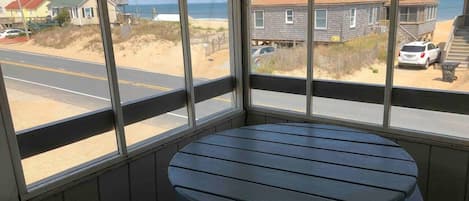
447	10
195	10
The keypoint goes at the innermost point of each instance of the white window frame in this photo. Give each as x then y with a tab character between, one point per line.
370	15
375	15
427	13
316	18
286	16
435	12
255	19
90	9
74	11
353	18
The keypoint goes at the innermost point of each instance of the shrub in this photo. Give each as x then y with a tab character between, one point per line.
336	59
63	17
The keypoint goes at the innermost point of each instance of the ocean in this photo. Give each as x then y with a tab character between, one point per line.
447	10
196	11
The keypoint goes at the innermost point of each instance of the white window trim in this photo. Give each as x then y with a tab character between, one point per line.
435	12
91	12
370	15
315	18
74	11
354	24
255	19
286	16
376	15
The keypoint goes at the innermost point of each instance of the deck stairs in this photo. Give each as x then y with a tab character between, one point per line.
459	47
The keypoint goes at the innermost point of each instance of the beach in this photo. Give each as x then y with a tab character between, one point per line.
442	31
166	56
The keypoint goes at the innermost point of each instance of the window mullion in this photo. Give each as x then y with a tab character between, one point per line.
310	59
10	149
392	41
112	75
189	84
236	51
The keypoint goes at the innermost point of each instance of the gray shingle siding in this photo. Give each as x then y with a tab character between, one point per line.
275	27
338	23
420	29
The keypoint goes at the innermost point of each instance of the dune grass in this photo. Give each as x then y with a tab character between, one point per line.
337	59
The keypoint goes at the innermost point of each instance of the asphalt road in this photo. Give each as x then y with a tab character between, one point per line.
85	84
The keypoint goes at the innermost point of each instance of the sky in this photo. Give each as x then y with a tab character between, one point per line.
140	2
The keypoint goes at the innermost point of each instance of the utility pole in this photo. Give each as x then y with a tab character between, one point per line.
25	25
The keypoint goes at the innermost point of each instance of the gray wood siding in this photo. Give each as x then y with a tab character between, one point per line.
275	27
338	23
420	29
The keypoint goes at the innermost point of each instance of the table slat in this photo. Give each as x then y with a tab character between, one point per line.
395	182
334	145
348	159
233	188
285	180
325	133
196	195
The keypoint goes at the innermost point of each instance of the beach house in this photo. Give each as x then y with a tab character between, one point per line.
338	20
82	12
32	9
417	18
335	20
3	12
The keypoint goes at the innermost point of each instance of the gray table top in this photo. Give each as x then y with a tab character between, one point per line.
293	161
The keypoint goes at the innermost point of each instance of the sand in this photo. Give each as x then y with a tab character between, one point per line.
213	24
145	53
29	110
442	31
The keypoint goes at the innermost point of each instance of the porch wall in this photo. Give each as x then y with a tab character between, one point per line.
443	168
142	178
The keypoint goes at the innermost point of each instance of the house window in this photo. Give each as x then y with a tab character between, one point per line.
435	11
55	12
320	16
289	16
375	15
1	10
259	19
370	15
408	14
88	12
74	12
353	18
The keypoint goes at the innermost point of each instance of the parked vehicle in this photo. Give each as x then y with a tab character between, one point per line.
11	32
420	54
257	52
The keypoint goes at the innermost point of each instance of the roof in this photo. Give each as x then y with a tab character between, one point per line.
414	2
305	2
71	3
64	3
27	4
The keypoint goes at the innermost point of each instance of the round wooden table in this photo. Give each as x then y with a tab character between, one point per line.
293	161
